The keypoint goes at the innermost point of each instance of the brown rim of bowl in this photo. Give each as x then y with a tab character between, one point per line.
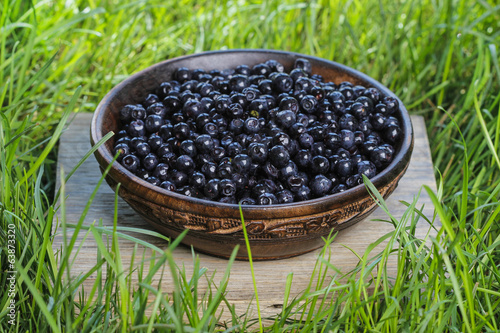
122	175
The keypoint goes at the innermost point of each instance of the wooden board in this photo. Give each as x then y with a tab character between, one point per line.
270	275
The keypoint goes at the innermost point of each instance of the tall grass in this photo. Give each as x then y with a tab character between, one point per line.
440	57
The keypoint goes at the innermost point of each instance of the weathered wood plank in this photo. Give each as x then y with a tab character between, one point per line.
270	275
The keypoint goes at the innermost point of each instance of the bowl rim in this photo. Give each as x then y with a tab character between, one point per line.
127	179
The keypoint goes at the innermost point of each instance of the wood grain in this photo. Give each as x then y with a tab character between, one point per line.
270	275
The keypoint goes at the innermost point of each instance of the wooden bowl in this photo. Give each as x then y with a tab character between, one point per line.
275	232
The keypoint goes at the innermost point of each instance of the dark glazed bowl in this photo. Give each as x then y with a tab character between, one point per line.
275	232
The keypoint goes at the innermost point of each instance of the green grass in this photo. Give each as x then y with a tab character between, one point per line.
440	57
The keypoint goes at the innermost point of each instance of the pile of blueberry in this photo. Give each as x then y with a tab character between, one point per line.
258	135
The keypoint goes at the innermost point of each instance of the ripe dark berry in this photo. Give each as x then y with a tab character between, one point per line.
182	74
320	185
142	149
308	104
153	123
161	171
157	109
131	163
136	128
319	164
279	156
344	167
285	118
122	149
251	125
227	187
303	193
185	163
169	186
366	168
275	65
303	64
267	199
284	196
282	82
238	82
381	157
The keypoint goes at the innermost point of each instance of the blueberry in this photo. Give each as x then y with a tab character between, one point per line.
267	199
185	163
257	152
303	159
131	163
257	107
172	104
225	169
303	193
344	167
209	169
393	133
354	180
333	141
339	188
290	169
212	188
279	156
266	86
303	83
153	180
222	103
282	82
378	121
150	99
182	74
320	185
284	196
192	108
122	149
303	64
227	187
168	185
248	201
143	173
142	149
211	129
188	191
391	103
319	164
381	157
136	128
261	69
251	125
348	122
243	69
366	168
153	123
285	118
161	171
233	149
181	131
238	82
218	153
138	113
164	89
275	65
239	180
308	104
188	147
346	139
157	109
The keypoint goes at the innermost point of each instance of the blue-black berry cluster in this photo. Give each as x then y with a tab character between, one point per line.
258	135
